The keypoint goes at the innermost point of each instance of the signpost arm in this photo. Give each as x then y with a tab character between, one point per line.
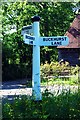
36	91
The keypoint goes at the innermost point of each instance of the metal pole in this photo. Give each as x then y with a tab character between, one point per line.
36	90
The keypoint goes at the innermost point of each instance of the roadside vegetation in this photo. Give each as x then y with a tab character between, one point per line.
62	106
56	73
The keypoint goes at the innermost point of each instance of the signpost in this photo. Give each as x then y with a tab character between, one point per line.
53	41
38	41
27	29
29	39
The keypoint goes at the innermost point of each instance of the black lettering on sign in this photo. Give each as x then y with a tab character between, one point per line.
59	43
31	42
29	37
43	39
55	39
59	38
56	43
52	43
62	39
65	38
49	39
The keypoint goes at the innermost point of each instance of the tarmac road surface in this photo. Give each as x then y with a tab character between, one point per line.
12	89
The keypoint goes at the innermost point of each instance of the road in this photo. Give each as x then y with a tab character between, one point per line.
12	89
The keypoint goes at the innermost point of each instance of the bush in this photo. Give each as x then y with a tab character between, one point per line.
57	69
16	71
62	106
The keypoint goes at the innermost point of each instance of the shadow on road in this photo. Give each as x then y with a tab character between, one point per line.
14	84
12	89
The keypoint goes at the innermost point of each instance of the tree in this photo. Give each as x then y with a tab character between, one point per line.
55	20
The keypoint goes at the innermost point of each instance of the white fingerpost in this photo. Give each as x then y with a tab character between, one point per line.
38	41
36	90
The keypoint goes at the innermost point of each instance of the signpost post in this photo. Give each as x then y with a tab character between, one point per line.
36	91
38	41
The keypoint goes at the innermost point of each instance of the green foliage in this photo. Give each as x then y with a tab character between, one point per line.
56	69
62	106
50	73
55	22
16	71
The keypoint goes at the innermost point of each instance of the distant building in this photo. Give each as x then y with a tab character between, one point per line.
71	52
